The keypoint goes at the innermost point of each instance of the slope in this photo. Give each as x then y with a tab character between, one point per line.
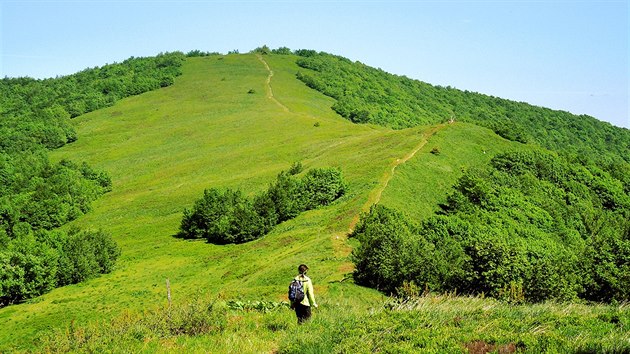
164	147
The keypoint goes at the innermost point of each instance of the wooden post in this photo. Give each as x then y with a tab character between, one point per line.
168	292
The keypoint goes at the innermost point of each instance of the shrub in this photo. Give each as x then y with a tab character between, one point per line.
84	255
282	51
33	264
288	197
389	250
223	217
27	269
322	186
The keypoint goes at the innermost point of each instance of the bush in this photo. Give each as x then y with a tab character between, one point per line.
84	255
223	217
389	251
27	269
288	197
282	51
323	186
33	264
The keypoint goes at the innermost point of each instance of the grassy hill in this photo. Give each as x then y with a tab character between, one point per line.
232	121
164	147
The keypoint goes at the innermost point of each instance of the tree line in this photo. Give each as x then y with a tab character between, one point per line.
36	195
368	95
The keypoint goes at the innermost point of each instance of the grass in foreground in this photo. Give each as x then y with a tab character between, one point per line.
432	324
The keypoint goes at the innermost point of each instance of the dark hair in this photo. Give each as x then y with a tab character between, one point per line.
302	268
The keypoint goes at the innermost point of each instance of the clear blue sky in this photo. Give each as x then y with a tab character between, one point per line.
569	55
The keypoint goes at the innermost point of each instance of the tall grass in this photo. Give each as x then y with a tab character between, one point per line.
429	324
133	332
452	324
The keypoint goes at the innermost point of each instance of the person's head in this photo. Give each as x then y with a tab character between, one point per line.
302	269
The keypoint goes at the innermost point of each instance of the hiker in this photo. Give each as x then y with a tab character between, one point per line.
301	295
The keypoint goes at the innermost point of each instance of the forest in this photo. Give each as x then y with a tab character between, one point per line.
369	95
529	226
37	197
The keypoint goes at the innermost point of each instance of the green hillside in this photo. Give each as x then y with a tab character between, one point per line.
369	95
164	147
236	121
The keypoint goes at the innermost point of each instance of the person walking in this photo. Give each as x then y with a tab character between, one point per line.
303	307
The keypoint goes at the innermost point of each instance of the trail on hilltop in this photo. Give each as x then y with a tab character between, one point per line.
268	88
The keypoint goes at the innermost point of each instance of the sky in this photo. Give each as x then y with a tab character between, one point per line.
566	55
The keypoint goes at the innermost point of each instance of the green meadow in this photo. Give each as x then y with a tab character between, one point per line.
227	123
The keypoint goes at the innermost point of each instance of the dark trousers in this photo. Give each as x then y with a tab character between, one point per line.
302	312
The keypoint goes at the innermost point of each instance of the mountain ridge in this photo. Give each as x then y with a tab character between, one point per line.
164	147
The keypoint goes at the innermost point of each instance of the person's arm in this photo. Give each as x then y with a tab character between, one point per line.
310	293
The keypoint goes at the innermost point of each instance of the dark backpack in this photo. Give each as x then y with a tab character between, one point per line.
296	291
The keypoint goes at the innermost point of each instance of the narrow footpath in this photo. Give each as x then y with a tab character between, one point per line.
339	240
340	245
375	194
268	88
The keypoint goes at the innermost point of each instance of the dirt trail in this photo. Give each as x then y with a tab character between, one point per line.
268	83
340	245
375	195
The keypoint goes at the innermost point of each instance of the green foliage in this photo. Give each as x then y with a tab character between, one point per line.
322	187
528	226
222	217
37	195
264	50
369	95
260	306
84	255
198	53
296	168
282	51
305	52
226	216
388	247
33	264
27	269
